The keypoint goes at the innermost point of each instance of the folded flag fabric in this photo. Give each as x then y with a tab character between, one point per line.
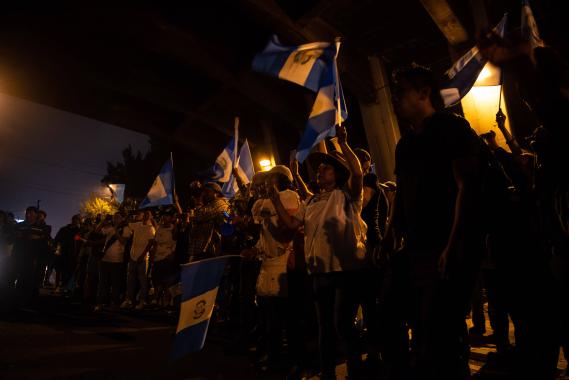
162	191
324	115
460	78
200	283
529	26
245	168
224	163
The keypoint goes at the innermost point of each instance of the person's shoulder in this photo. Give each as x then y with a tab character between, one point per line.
370	180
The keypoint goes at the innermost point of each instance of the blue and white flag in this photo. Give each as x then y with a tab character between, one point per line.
162	191
245	169
117	191
529	26
200	283
223	166
460	78
312	66
303	65
324	115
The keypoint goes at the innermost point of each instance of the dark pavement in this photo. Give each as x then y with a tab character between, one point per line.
60	339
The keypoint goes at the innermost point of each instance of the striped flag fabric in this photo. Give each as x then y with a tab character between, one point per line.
161	192
312	66
324	115
303	65
200	283
460	78
245	168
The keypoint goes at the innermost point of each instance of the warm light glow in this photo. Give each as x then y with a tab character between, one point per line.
485	73
480	106
489	76
265	165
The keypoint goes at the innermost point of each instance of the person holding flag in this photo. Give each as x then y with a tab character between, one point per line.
334	250
205	233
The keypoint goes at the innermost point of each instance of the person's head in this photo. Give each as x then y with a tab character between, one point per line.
31	215
139	216
331	172
365	159
258	184
211	191
146	216
76	220
281	177
118	219
416	93
42	215
168	218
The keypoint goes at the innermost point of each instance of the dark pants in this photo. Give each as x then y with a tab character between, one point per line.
273	310
110	282
436	310
337	297
137	276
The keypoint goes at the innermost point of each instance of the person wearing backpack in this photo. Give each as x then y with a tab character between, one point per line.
436	213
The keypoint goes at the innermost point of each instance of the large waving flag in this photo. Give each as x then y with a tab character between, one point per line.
460	78
529	26
162	191
303	65
224	163
200	282
312	66
245	168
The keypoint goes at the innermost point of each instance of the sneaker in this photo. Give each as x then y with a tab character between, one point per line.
127	304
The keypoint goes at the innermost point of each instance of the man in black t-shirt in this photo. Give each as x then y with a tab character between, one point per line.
438	194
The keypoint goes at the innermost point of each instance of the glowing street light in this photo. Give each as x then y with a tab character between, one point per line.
266	165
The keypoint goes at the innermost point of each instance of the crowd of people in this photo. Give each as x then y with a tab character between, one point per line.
351	262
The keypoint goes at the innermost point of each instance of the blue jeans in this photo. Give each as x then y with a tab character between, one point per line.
137	276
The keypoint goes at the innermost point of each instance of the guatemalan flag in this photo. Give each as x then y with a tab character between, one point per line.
460	78
529	26
245	169
200	283
223	166
312	66
162	191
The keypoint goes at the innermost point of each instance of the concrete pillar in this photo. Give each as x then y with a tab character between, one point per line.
380	122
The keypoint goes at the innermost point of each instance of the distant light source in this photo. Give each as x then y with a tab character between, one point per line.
265	165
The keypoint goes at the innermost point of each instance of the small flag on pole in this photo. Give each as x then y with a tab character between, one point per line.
529	26
200	283
460	78
162	191
224	163
245	168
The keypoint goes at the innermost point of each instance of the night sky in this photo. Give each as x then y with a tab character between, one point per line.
54	156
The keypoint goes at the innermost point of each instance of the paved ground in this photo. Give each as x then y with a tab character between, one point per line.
64	341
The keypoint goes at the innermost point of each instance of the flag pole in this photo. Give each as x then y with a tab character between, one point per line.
236	142
338	109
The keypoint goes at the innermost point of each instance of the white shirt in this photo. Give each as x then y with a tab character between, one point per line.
165	243
334	233
115	252
142	234
264	213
